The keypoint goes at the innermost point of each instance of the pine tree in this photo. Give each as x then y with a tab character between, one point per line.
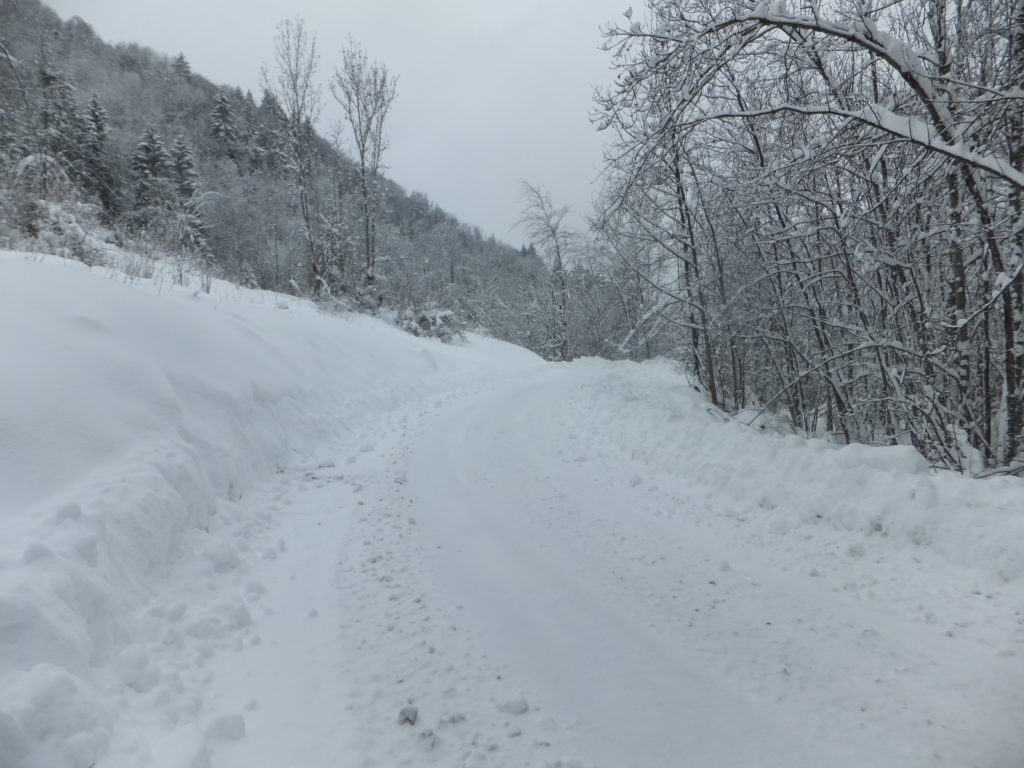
270	119
151	167
12	111
222	126
98	123
249	134
183	169
222	121
99	178
181	67
62	126
188	209
252	154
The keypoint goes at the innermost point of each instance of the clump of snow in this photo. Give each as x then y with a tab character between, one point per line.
516	706
428	740
230	727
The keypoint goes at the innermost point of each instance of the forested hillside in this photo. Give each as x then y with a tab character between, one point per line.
164	160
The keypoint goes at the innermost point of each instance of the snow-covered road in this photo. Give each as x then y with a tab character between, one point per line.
239	533
536	542
510	566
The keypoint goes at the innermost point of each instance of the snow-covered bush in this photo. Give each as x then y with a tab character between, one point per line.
434	322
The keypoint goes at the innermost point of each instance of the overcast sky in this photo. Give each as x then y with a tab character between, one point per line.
490	91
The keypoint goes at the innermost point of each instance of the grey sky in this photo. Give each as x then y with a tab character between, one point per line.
489	92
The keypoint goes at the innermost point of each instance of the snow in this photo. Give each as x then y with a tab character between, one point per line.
239	532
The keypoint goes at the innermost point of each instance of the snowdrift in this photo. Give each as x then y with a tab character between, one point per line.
132	412
776	484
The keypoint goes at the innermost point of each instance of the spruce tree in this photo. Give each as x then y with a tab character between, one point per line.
249	138
183	169
222	127
62	126
151	167
188	209
181	67
99	178
271	119
98	123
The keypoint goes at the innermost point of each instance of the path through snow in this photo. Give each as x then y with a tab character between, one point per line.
493	558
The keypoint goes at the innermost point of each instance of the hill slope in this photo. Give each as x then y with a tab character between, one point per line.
85	123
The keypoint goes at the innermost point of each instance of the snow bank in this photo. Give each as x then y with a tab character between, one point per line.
131	413
775	484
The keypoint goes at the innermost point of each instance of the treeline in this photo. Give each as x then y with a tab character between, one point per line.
135	145
818	210
826	203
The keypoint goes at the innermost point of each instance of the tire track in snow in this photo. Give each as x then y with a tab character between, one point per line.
425	690
677	633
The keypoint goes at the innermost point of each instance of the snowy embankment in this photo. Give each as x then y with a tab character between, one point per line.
776	483
238	532
132	415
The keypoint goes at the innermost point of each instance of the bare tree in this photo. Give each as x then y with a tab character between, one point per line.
545	223
292	82
365	91
842	183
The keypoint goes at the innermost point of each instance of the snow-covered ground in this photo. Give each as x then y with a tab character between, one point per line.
238	532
